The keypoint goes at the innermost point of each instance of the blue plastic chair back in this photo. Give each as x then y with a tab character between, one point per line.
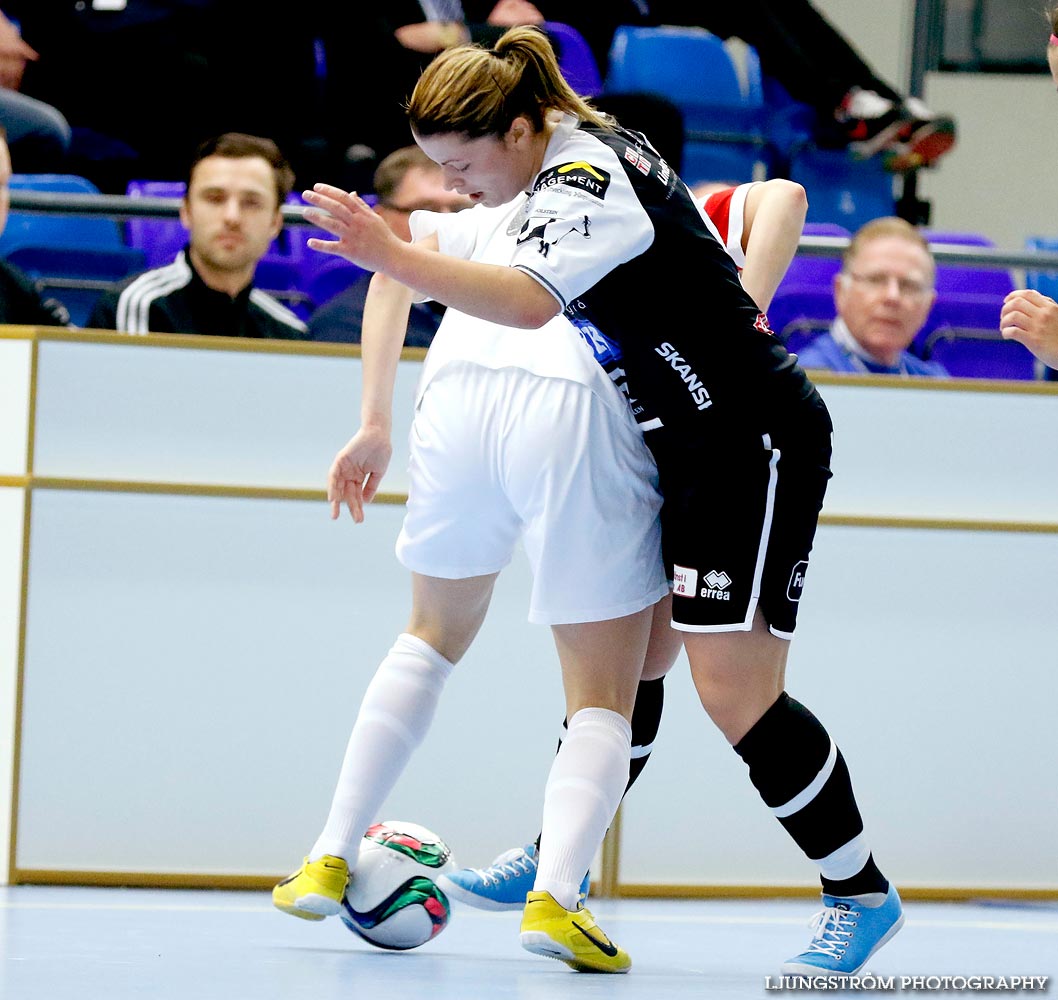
28	229
723	109
1045	282
960	311
161	239
332	278
979	354
77	276
575	58
689	66
840	189
801	310
966	279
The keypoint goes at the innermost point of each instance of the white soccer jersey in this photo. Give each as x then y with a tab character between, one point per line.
552	351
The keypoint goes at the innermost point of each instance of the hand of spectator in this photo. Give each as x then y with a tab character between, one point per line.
432	36
1032	319
14	54
363	237
357	471
508	13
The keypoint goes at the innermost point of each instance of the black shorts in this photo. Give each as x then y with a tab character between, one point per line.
737	527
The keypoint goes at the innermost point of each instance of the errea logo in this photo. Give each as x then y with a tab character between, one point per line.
716	585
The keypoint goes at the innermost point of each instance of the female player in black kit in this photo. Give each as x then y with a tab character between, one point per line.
741	437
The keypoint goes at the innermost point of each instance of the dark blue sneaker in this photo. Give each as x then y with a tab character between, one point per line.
503	885
846	934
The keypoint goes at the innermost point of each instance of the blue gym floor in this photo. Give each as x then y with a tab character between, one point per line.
61	943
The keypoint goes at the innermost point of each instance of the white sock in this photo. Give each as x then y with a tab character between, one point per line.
584	789
395	714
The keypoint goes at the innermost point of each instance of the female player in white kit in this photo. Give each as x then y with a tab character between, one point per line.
479	385
517	435
612	238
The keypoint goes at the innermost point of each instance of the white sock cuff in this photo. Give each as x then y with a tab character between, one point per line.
603	718
408	643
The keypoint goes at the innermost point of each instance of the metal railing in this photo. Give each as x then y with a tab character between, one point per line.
124	207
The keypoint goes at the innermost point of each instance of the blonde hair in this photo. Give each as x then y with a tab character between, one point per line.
478	92
888	225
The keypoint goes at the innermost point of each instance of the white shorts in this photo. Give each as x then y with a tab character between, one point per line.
499	455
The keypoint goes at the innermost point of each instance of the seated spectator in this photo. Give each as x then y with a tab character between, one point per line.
232	211
405	180
37	133
883	294
20	299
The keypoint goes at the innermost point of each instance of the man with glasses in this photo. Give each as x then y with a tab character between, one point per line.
883	294
405	180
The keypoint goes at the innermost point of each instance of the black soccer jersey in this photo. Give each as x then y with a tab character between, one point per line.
641	272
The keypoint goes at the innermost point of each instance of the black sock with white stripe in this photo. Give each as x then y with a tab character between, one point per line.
802	777
646	718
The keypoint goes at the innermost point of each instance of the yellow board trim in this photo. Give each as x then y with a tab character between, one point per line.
200	880
75	484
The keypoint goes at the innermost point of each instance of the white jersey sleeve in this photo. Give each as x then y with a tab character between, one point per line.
582	219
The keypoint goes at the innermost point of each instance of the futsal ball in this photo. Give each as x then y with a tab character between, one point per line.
393	901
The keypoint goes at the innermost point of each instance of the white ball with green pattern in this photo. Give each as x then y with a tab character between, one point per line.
393	901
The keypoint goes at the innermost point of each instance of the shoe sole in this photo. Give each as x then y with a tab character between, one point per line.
791	969
926	146
539	943
311	907
866	148
462	895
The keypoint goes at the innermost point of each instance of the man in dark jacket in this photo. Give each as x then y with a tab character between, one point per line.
232	212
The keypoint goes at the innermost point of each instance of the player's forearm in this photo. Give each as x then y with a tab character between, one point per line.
386	312
492	292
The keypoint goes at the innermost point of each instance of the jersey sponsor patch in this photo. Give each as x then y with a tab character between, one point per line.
797	580
681	367
552	232
580	174
684	581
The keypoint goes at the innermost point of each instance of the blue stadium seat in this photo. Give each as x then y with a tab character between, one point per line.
968	279
803	304
575	58
799	313
968	353
960	311
77	276
33	229
841	189
723	113
161	239
1043	281
332	277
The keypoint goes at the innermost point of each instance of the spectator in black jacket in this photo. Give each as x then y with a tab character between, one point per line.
232	212
20	299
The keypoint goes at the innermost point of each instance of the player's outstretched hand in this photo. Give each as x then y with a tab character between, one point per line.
357	471
1032	319
361	234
